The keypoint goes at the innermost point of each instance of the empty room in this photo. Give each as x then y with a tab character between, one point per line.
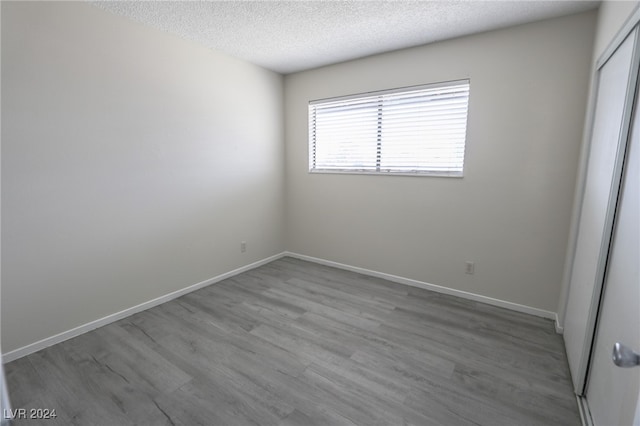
320	213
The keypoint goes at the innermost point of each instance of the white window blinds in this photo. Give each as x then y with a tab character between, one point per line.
414	130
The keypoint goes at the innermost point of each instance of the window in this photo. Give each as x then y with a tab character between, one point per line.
414	130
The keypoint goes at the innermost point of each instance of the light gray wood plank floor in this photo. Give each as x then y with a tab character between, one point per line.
296	343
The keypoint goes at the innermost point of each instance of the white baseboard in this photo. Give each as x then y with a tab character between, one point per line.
433	287
559	327
69	334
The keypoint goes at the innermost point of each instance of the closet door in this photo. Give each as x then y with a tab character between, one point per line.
617	78
612	390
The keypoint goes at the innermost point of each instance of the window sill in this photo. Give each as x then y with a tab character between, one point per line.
370	172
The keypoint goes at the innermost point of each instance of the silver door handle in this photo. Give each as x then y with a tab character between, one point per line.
625	357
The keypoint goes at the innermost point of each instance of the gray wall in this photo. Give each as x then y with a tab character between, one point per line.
510	213
133	164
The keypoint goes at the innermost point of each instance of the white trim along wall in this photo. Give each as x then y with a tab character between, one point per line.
69	334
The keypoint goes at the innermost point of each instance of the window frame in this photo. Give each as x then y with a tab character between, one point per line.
385	172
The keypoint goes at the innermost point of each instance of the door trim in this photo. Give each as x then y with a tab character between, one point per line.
625	31
631	22
583	401
585	413
612	205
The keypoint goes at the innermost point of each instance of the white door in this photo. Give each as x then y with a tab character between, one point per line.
611	119
612	392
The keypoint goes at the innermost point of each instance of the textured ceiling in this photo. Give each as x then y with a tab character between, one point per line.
290	36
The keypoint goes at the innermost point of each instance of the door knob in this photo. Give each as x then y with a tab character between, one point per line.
625	357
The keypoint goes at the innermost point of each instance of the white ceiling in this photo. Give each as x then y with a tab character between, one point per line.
290	36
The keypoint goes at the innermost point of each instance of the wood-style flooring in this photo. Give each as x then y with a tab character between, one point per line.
297	343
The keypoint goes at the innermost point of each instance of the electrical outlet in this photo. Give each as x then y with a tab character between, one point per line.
243	246
469	267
